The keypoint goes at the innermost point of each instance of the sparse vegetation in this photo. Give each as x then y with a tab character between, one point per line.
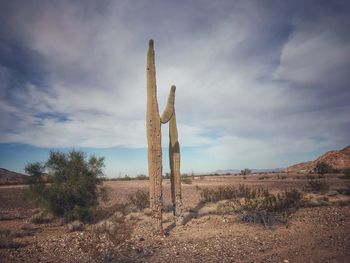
347	188
115	228
42	217
74	190
140	199
142	177
281	177
246	171
316	185
223	193
186	180
7	236
346	175
255	205
322	168
265	208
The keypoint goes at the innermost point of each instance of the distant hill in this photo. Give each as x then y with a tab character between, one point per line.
10	176
236	171
336	159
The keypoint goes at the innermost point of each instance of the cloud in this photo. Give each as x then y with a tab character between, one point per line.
253	79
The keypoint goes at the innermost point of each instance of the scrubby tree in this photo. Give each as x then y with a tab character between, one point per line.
347	173
322	168
74	189
246	171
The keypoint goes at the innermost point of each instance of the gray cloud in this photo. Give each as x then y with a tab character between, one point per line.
254	79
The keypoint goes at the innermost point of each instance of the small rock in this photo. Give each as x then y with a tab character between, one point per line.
75	226
118	214
147	211
332	193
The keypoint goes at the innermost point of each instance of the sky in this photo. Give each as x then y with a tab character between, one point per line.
260	84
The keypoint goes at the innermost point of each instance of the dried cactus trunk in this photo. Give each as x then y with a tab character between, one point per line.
175	175
153	124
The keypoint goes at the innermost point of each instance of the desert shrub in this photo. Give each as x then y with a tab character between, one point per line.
244	177
347	190
246	171
140	199
282	177
115	228
7	236
126	178
186	180
322	168
73	192
141	177
255	205
265	208
224	193
316	185
342	202
42	218
346	173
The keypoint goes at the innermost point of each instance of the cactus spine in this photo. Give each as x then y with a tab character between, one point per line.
153	125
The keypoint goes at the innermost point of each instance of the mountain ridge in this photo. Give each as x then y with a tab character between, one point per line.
10	176
338	160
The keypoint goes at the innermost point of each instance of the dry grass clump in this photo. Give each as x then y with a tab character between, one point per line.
224	193
316	185
7	236
115	228
140	199
186	180
255	205
42	218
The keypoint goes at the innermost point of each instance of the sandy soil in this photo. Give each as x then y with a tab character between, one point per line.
313	234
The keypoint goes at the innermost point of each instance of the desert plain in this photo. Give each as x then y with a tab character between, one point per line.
318	232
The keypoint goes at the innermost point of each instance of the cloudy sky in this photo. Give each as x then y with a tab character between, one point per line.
260	84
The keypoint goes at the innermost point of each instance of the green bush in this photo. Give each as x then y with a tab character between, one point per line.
323	168
73	192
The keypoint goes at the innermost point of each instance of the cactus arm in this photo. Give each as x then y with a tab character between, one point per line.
168	112
175	175
153	127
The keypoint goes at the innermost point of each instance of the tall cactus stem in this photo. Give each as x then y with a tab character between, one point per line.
154	141
175	175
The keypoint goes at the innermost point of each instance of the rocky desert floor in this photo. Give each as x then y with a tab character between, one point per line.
317	233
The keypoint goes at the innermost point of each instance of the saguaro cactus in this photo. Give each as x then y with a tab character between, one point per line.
175	175
153	124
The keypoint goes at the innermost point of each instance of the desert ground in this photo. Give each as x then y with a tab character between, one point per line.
316	233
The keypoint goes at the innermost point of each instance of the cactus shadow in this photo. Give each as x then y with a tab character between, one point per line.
193	213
